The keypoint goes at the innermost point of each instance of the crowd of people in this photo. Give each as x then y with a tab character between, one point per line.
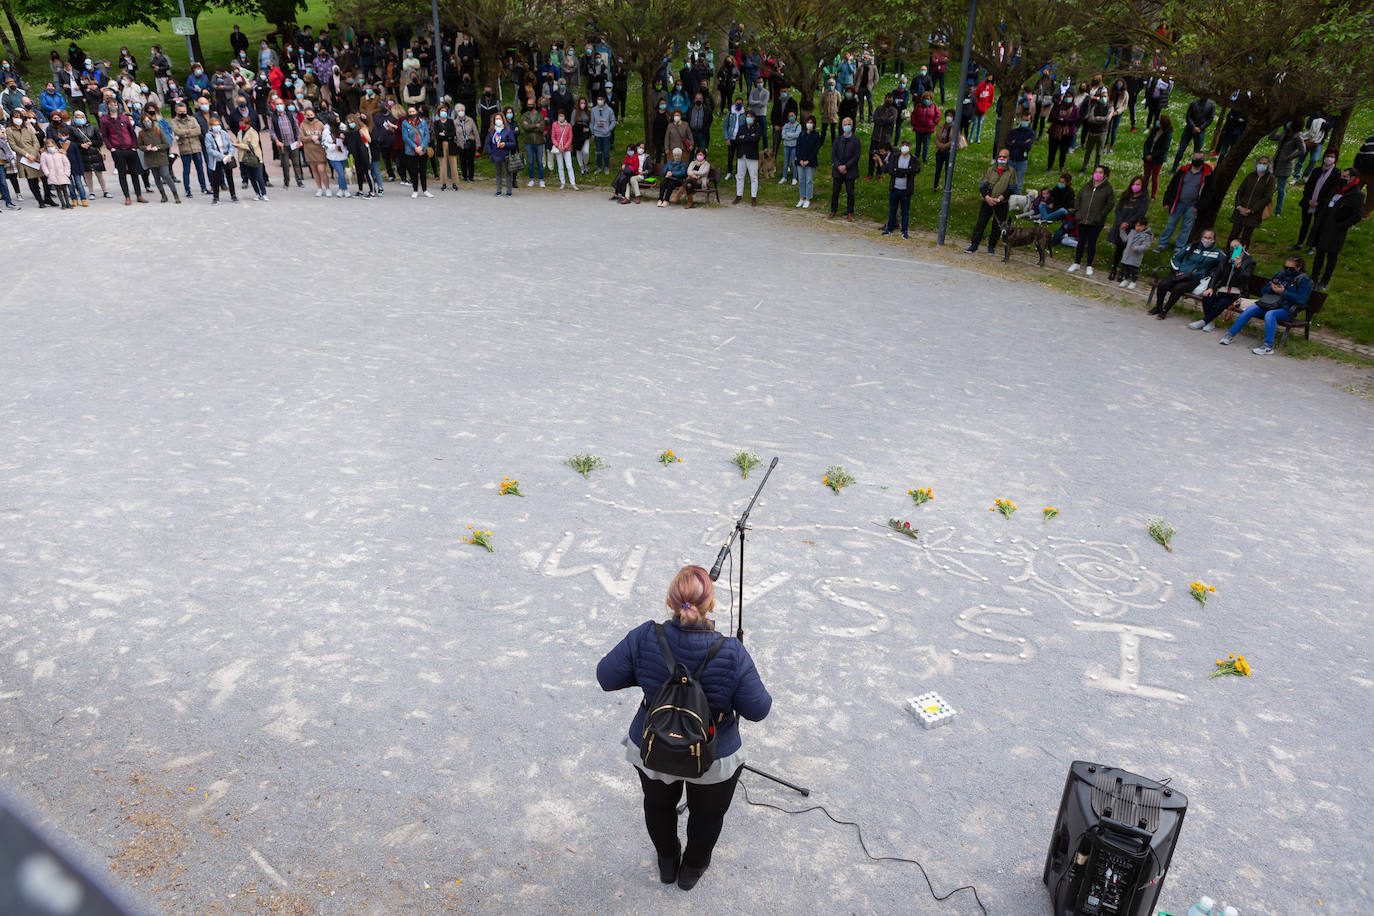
351	113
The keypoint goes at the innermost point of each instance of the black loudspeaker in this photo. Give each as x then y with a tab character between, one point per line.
1111	843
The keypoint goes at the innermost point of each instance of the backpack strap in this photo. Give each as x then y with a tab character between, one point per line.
663	645
715	647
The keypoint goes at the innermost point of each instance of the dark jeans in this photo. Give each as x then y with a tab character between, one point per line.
847	182
985	214
187	161
866	95
225	174
1215	304
1307	219
256	174
706	807
898	200
467	160
941	162
1087	244
1176	286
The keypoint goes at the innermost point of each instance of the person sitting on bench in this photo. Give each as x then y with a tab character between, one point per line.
1190	266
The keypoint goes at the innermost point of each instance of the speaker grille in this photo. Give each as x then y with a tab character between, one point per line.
1125	802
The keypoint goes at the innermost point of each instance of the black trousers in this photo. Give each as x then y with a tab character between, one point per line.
1176	286
1087	244
1215	304
985	214
1307	219
222	173
847	182
706	807
467	160
413	170
667	185
1058	147
1323	265
126	163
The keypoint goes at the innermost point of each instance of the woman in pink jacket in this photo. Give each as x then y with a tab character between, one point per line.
925	117
561	141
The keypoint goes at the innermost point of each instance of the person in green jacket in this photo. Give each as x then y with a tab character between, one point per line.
1092	210
995	188
532	125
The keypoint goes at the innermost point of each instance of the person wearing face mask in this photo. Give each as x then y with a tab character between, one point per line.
582	135
220	156
698	177
487	108
78	143
1020	139
335	151
748	138
844	169
925	117
944	139
1132	206
561	142
1063	119
1286	154
1189	191
1096	121
1342	211
808	149
757	104
500	144
444	133
901	167
698	119
415	152
658	131
1190	265
188	137
1156	150
155	145
1228	282
248	149
56	171
1200	114
1317	191
791	132
730	125
312	131
286	141
784	106
844	73
602	122
1092	209
357	140
678	135
884	129
197	82
865	81
1285	295
830	111
1253	198
994	189
122	139
983	96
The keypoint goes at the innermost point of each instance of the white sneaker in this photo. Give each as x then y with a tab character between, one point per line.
1122	284
1088	271
541	182
727	176
1263	351
799	203
807	206
560	186
319	192
426	194
343	193
1197	325
574	187
1226	341
263	197
1073	268
782	180
530	184
1208	326
794	181
414	194
328	192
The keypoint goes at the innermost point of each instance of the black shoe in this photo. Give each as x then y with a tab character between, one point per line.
668	866
1154	311
687	877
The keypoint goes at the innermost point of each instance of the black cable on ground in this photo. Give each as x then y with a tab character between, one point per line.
859	830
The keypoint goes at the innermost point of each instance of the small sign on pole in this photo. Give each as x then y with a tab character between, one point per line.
183	25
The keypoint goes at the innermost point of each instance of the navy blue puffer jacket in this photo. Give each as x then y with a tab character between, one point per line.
731	681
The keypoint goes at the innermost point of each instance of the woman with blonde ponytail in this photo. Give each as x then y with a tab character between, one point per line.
733	689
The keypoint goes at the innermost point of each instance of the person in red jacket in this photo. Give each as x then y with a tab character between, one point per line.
983	95
925	117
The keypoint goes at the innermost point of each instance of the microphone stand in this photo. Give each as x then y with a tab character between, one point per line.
740	527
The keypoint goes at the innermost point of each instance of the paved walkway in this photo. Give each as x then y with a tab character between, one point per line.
246	660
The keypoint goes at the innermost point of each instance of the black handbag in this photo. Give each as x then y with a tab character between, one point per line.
1270	300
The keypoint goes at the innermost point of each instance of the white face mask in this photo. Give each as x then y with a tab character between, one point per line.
905	149
497	123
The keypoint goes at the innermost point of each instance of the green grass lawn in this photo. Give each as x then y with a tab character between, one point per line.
1349	309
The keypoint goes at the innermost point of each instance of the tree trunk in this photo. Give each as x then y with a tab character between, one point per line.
195	40
1229	166
18	33
9	48
646	69
1337	138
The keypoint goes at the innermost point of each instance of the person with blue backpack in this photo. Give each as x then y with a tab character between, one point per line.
696	684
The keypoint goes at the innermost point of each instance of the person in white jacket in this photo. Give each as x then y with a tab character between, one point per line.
335	152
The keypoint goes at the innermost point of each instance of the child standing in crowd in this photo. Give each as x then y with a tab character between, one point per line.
57	171
1137	243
